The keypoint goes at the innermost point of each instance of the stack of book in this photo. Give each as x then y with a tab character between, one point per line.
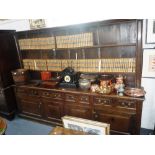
37	43
73	41
29	64
118	65
54	65
124	65
40	64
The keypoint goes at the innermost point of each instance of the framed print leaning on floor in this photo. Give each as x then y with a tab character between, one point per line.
148	63
86	126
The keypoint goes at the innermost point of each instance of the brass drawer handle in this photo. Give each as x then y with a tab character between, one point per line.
71	97
46	93
55	95
99	100
84	99
33	93
105	101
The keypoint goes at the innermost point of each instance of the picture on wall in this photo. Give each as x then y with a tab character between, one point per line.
148	63
150	31
37	23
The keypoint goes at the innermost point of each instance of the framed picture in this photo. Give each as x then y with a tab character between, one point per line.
37	23
149	63
87	126
150	31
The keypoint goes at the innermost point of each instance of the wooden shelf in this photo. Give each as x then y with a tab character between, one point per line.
85	47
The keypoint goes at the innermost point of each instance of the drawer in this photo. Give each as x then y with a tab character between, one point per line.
51	94
125	104
20	90
32	92
102	101
57	95
84	99
71	97
27	92
45	94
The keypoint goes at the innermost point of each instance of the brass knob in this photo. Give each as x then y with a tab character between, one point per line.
96	116
105	102
99	100
40	104
35	92
94	112
123	103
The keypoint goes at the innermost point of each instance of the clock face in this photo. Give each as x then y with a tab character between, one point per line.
67	78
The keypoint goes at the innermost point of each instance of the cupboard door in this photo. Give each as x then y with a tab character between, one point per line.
30	106
76	111
53	110
118	122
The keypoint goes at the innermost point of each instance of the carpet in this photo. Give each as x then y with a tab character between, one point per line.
20	126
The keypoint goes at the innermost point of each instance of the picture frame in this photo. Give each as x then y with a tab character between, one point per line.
85	125
150	31
148	63
37	23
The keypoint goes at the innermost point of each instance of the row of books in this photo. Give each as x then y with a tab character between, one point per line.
77	40
66	41
82	65
37	43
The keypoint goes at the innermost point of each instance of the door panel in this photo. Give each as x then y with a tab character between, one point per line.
31	107
53	109
122	123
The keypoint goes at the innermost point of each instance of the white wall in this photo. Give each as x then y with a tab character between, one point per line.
23	24
15	24
148	113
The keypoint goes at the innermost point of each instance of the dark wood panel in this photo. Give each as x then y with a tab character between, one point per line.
91	53
118	33
63	54
118	52
30	106
80	53
9	61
